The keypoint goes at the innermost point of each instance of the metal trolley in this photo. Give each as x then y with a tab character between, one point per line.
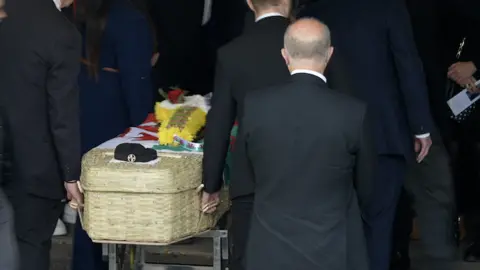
220	255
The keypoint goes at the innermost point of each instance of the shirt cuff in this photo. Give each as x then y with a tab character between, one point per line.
422	136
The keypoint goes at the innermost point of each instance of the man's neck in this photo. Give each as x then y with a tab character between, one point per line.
319	69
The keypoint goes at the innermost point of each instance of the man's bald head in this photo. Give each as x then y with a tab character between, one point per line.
308	40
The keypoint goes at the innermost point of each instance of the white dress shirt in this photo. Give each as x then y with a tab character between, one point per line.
58	4
321	76
207	11
266	15
311	72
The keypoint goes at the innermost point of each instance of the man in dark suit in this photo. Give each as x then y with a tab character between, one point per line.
183	54
311	182
429	185
250	62
40	52
375	41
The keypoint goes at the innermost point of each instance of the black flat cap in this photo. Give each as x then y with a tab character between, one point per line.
134	152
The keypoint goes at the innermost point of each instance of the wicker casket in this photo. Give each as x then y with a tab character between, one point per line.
150	203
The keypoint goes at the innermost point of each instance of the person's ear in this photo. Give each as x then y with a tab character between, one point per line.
329	54
3	14
250	5
285	56
66	3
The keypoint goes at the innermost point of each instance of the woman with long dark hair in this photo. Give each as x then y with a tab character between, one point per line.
115	84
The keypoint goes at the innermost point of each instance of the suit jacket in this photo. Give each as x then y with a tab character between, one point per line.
309	179
250	62
428	18
39	98
227	21
374	39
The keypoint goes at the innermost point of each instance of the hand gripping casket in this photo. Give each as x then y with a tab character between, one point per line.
156	202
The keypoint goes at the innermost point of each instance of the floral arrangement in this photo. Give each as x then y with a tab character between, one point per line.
185	122
180	115
164	109
176	95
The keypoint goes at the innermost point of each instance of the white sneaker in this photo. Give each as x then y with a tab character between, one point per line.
60	229
69	215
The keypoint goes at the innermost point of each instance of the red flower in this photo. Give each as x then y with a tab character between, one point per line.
175	96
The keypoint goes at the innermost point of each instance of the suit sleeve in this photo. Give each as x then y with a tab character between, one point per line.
365	162
63	105
220	120
243	161
411	77
134	48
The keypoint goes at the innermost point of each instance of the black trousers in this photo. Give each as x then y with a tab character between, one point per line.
429	190
241	211
402	228
467	182
35	221
380	213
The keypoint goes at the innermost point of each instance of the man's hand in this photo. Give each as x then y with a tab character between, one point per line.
154	58
74	195
422	147
461	71
210	202
468	83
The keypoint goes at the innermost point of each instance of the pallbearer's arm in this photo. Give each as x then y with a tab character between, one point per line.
220	120
365	162
63	104
243	161
411	77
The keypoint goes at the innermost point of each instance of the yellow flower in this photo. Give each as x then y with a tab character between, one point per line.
162	113
185	122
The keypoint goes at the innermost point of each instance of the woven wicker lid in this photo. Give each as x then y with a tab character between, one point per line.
171	173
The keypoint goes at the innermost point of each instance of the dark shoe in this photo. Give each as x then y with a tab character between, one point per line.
472	253
400	261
